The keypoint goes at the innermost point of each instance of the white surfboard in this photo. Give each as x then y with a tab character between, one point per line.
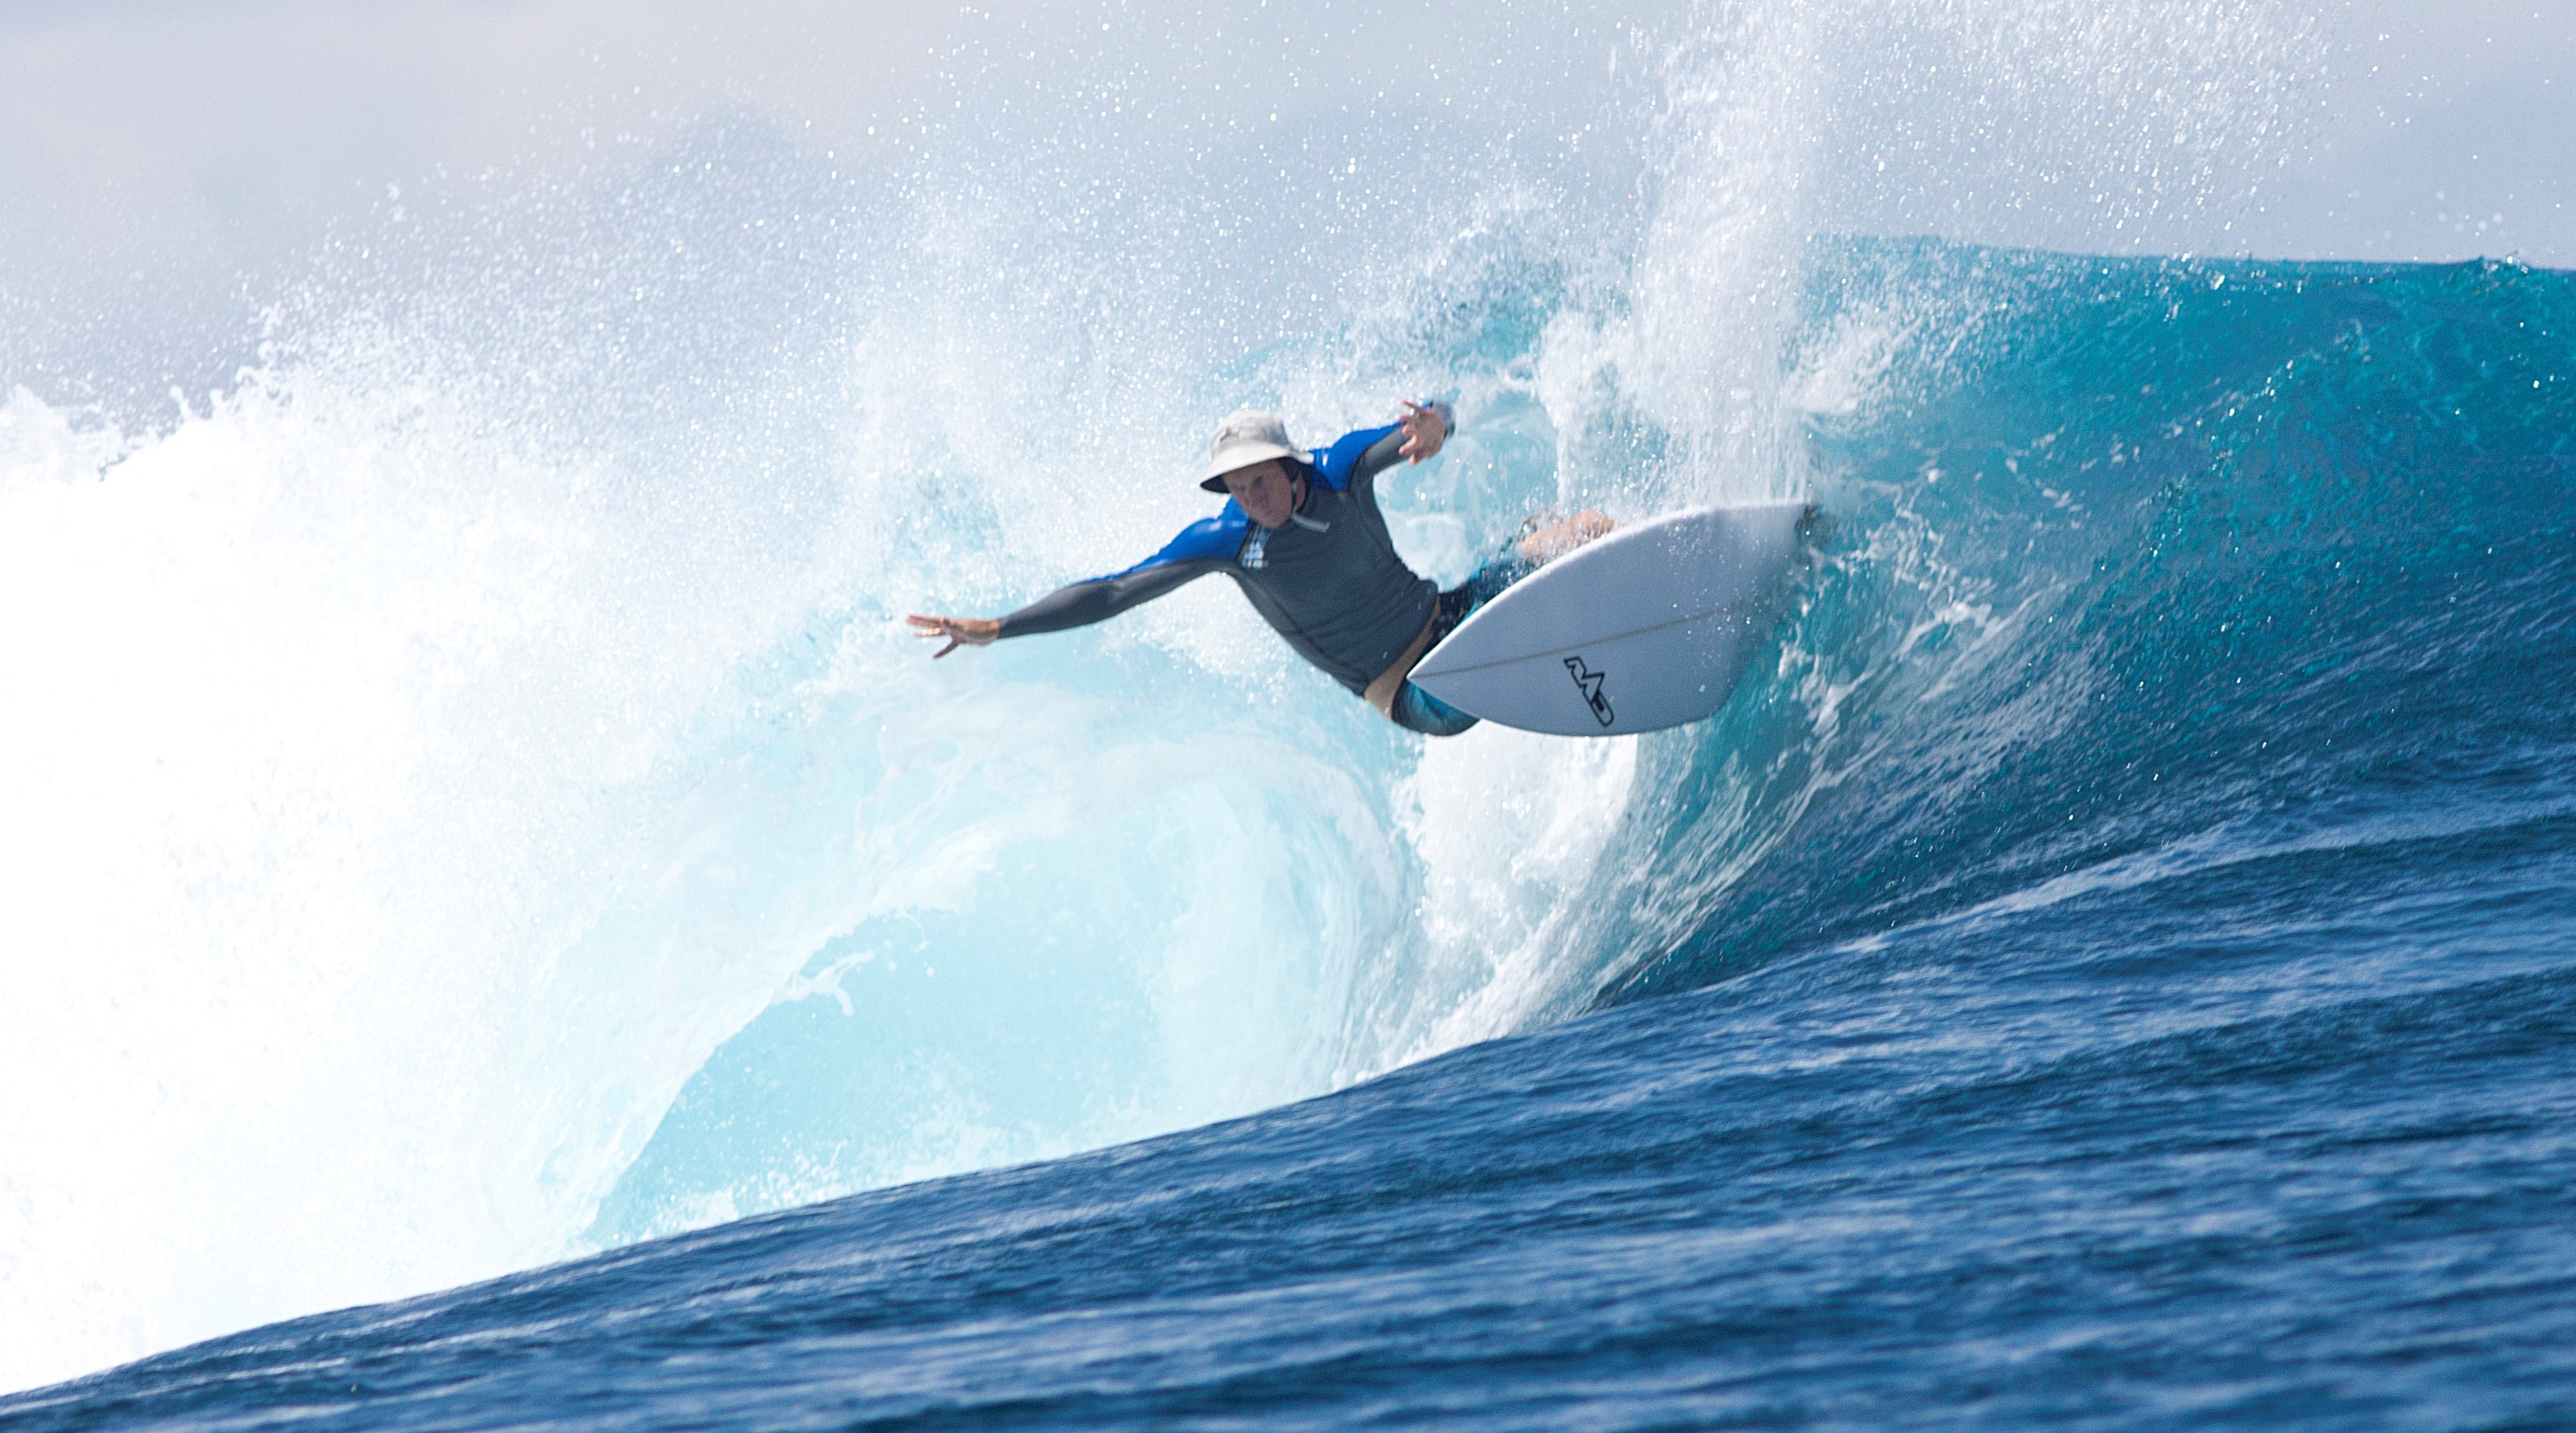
1645	628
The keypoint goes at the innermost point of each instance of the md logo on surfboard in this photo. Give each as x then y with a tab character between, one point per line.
1589	683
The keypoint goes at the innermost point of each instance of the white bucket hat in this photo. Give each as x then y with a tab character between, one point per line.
1247	436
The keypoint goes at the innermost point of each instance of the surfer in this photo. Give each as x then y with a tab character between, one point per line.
1301	534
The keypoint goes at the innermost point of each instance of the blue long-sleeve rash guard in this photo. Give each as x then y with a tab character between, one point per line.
1329	581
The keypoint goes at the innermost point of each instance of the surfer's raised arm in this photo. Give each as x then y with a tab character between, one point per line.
1427	427
1417	437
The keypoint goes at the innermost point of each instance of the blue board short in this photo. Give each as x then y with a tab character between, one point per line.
1417	710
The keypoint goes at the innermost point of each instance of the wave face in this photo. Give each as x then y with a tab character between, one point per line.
2163	574
480	807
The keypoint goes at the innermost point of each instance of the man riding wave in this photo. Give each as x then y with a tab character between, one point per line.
1301	534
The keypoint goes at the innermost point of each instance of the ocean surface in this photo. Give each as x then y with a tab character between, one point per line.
506	931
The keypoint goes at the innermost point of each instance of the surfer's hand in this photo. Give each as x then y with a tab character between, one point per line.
960	631
1425	429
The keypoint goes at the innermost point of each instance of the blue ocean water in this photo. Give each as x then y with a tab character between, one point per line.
2112	965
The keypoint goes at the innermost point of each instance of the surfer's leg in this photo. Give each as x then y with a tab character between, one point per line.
1544	536
1410	706
1540	540
1506	568
1417	710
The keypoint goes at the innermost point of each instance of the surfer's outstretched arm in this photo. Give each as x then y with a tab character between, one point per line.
1202	548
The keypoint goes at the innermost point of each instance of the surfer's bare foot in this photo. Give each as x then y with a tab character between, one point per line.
1548	541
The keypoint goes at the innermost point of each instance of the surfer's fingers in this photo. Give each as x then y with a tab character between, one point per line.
1421	440
960	631
931	629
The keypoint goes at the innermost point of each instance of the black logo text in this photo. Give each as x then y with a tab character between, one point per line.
1589	682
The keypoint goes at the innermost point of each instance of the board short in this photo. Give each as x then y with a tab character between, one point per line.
1417	710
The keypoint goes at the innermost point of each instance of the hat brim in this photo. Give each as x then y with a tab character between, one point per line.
1241	456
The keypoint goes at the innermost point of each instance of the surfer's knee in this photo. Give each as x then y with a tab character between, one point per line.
1548	537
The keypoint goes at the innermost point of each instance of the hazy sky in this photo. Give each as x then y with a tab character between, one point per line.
179	143
2445	134
218	128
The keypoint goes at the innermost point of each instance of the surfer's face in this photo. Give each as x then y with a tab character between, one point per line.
1266	490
